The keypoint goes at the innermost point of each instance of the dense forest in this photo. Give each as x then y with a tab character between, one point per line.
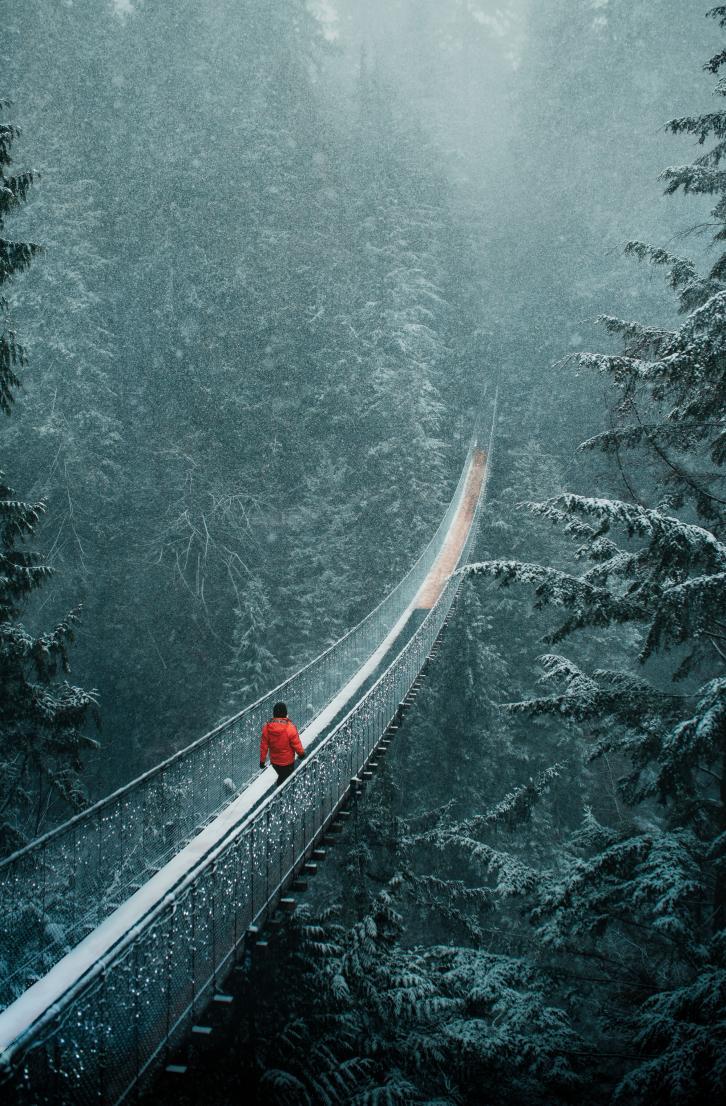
260	263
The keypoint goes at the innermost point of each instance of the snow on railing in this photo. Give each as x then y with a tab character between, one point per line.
113	1023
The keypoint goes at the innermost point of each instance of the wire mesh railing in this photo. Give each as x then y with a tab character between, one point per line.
65	883
97	1043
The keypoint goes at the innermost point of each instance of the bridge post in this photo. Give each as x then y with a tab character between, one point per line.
167	955
137	1016
102	1064
193	965
213	888
266	860
252	872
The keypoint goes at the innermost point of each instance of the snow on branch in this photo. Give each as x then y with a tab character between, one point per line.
683	541
686	611
694	179
683	270
590	605
702	126
639	338
693	746
718	13
606	697
682	436
648	879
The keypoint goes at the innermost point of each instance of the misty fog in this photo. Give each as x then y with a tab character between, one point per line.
294	260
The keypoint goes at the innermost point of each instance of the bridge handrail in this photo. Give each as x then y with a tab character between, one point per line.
100	851
228	722
152	958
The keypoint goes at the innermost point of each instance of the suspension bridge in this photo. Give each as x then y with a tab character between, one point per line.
119	927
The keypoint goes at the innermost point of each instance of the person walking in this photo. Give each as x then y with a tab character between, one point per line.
281	738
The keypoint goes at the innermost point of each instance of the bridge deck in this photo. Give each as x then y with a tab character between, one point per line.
42	996
456	538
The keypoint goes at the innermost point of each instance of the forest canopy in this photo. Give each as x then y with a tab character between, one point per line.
263	268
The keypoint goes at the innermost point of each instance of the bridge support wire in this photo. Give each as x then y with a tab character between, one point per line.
106	852
114	1024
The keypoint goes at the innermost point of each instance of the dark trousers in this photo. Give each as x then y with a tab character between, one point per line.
283	771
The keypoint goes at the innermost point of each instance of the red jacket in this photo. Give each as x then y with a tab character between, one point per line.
280	736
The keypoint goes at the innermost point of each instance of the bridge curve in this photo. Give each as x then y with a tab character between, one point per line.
99	1019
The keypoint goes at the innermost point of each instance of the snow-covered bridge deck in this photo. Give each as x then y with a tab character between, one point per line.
103	1014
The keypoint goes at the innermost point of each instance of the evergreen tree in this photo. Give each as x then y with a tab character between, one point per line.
679	375
42	718
375	1021
646	891
258	312
251	664
14	257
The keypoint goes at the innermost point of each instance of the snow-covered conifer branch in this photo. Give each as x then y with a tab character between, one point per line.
681	1031
681	435
719	14
686	611
552	586
644	880
702	126
673	542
